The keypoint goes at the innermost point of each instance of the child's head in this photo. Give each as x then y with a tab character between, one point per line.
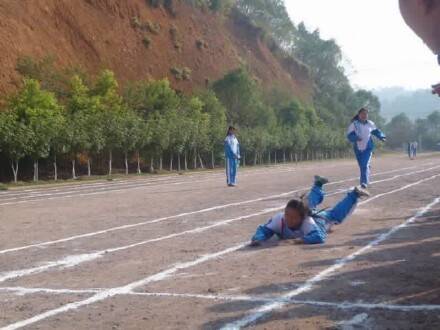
362	115
294	213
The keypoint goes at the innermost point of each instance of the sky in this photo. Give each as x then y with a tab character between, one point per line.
381	48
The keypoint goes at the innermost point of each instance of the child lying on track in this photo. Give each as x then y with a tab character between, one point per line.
302	221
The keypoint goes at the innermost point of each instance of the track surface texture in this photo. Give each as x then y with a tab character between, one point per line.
170	252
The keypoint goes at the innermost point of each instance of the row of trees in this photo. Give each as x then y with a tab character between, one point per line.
150	119
401	129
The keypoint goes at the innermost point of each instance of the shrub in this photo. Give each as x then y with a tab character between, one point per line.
174	33
135	22
151	27
186	73
181	73
146	41
176	72
3	187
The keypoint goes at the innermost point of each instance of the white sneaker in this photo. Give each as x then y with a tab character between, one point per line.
362	192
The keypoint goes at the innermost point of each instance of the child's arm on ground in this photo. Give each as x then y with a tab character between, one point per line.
314	237
262	234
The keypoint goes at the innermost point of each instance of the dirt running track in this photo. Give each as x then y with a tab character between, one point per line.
170	253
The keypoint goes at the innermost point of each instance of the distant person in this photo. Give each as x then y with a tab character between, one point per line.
232	157
414	147
359	133
423	16
408	147
302	221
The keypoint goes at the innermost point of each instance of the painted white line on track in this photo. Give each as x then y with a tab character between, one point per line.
177	216
126	185
123	289
75	260
260	312
266	309
105	190
21	291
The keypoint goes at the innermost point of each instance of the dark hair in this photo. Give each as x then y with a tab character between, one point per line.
298	205
358	113
230	129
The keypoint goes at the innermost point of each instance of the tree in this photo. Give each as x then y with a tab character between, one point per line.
399	131
241	96
217	123
15	139
110	112
134	135
40	112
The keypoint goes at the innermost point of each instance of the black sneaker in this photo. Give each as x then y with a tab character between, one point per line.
362	192
320	180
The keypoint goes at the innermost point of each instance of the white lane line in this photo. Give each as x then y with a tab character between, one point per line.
104	190
266	309
259	313
177	216
103	295
126	184
21	291
248	171
75	260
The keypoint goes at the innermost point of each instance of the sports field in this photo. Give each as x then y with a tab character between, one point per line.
170	252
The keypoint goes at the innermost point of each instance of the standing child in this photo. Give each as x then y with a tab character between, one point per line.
414	146
301	220
232	157
360	134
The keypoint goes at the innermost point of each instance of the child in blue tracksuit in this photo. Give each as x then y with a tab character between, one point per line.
360	134
301	220
232	157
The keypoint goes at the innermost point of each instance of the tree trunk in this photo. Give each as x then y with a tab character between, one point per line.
255	158
296	157
284	156
73	169
110	160
138	158
126	162
14	166
244	160
160	163
291	157
186	161
55	168
171	161
276	160
89	167
178	162
35	170
195	159
212	159
270	160
151	164
201	161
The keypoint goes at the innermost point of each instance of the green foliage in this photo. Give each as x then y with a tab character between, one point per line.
242	99
40	112
272	17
